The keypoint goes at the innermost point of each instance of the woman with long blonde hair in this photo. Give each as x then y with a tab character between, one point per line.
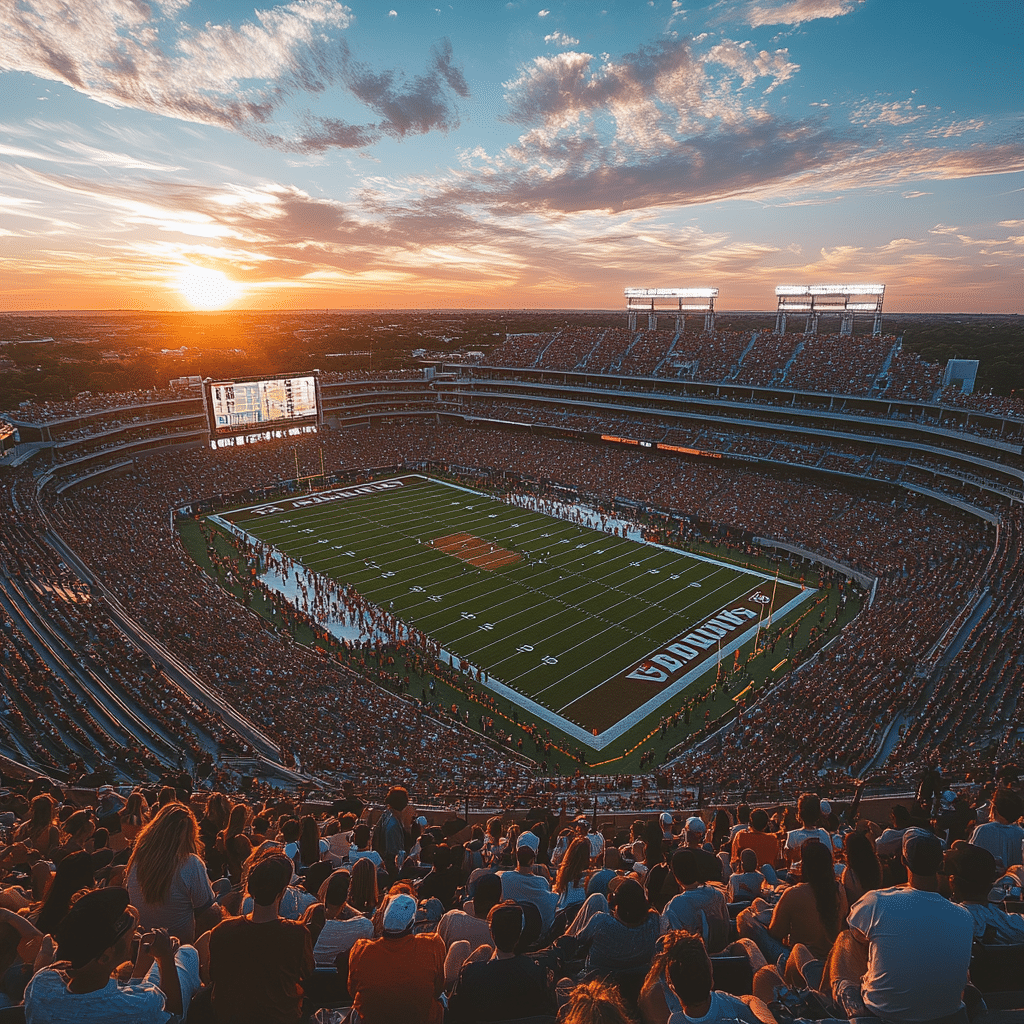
133	817
571	880
39	832
166	877
363	893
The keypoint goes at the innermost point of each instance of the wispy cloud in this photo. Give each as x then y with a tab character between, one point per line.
895	113
126	53
561	39
757	13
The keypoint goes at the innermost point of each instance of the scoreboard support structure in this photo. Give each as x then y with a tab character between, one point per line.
843	300
671	301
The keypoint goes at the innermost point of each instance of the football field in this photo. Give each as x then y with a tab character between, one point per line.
587	631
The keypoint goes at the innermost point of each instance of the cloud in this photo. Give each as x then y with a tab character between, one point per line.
916	195
897	113
655	91
543	14
955	129
750	66
392	14
757	13
561	39
126	53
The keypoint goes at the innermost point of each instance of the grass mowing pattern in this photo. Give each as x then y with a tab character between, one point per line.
579	608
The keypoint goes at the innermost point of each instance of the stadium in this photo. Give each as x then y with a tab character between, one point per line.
616	571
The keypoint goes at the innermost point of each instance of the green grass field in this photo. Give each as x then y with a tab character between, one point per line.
578	630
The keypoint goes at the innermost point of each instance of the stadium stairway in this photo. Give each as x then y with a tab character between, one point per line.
582	363
617	365
106	722
734	372
789	362
540	354
123	723
180	674
665	357
881	381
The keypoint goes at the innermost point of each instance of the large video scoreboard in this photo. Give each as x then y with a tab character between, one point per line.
251	406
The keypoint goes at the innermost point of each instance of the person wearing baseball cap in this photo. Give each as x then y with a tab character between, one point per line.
524	885
906	953
668	840
399	976
93	940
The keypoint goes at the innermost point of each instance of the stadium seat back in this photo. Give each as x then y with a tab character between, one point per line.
733	974
997	968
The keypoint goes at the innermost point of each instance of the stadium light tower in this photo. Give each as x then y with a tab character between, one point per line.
653	300
842	299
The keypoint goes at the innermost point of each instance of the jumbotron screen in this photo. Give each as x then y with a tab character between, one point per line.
243	405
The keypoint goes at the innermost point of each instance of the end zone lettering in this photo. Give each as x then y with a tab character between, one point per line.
673	658
326	497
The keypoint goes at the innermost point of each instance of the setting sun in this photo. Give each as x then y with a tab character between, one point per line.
207	289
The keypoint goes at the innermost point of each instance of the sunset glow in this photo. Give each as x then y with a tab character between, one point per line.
500	155
207	289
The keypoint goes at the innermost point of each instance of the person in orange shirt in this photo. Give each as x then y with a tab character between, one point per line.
764	844
399	976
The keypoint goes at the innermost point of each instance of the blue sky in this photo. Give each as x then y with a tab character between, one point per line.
318	154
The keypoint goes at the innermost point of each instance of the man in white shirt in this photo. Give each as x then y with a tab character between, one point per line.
699	908
523	886
361	846
1001	836
906	953
808	812
94	939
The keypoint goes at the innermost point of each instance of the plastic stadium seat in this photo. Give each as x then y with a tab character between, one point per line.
997	968
733	974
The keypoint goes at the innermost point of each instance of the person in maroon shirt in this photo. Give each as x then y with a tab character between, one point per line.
258	962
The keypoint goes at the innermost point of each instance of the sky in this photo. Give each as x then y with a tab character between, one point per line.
174	154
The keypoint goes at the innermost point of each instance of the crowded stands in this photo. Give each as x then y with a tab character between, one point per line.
166	902
250	903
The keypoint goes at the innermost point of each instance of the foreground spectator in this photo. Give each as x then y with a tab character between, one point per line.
94	939
167	879
811	912
473	927
258	962
906	953
620	932
399	976
343	925
680	987
506	986
971	871
524	886
595	1003
1002	836
699	908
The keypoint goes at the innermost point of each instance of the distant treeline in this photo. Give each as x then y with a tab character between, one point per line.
998	347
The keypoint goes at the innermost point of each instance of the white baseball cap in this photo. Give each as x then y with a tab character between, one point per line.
529	839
